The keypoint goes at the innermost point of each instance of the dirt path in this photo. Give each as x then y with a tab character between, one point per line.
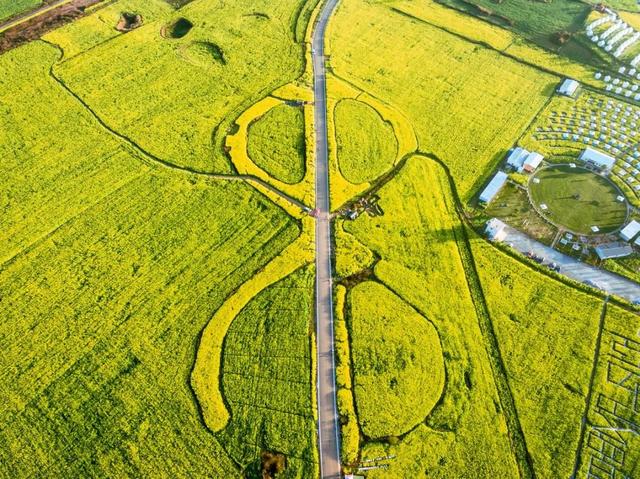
328	424
21	17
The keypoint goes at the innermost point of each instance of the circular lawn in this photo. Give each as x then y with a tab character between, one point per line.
577	199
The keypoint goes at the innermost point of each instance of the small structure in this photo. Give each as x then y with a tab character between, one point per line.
495	230
516	158
493	188
595	229
613	250
597	158
532	162
568	88
630	231
522	160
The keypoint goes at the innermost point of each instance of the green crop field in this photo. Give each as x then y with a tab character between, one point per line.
171	267
578	199
267	349
177	108
547	334
113	262
8	8
416	240
539	22
93	30
397	362
610	440
366	145
277	143
469	108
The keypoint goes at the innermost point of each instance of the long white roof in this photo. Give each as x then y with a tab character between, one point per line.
496	183
533	159
629	231
568	87
517	157
597	157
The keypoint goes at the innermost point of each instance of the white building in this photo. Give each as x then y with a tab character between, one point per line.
613	250
630	231
495	230
522	160
597	158
517	157
532	162
494	187
568	87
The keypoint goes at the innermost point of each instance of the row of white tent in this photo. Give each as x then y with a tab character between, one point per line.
612	36
621	87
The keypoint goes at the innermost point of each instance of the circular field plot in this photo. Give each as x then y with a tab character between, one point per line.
577	199
367	145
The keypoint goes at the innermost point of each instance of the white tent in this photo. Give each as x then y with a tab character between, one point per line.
568	87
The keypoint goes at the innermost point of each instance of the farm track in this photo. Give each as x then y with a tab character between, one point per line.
328	424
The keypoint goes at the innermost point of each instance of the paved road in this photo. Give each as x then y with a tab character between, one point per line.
571	267
328	425
30	14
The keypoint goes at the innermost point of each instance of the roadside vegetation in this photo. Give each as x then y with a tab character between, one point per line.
9	8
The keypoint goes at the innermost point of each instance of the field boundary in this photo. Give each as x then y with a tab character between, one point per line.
152	160
587	402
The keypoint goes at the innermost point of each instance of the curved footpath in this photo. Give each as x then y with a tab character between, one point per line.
328	424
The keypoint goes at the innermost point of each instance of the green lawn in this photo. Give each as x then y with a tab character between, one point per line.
578	199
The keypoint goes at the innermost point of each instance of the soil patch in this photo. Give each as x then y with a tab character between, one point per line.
129	21
34	28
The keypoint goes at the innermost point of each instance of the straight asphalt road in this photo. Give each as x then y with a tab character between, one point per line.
328	424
